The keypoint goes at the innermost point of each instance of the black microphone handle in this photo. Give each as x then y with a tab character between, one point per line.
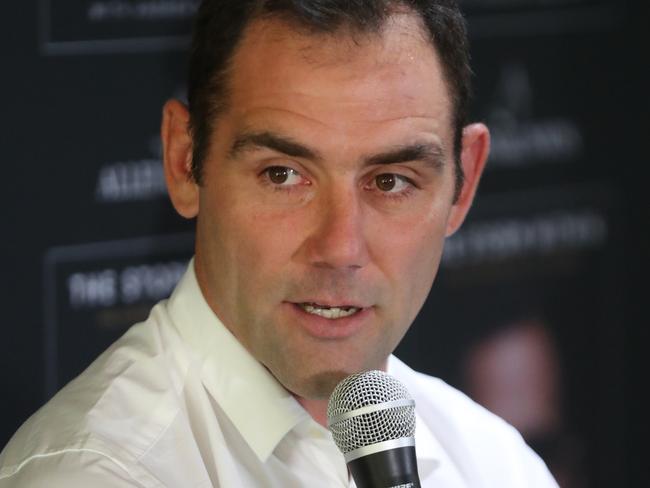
391	468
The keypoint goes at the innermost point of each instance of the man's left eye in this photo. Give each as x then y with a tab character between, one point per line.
391	183
283	176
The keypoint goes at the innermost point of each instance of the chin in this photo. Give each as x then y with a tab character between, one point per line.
318	386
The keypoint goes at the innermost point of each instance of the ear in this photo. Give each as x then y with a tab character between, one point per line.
474	154
177	159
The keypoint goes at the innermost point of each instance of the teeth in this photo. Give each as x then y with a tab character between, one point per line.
329	312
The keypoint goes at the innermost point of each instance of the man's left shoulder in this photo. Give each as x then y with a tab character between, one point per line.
436	400
477	438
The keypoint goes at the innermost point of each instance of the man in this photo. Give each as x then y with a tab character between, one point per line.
326	158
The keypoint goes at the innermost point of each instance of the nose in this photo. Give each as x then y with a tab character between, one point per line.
337	239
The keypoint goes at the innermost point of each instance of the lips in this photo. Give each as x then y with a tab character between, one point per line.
331	320
329	312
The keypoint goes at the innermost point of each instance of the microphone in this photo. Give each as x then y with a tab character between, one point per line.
372	419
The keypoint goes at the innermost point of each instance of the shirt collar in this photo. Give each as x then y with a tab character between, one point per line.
428	449
259	407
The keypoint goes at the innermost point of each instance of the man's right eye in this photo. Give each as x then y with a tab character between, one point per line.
283	176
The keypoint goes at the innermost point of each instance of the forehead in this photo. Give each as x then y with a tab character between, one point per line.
343	80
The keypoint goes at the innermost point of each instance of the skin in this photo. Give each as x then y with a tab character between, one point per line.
337	112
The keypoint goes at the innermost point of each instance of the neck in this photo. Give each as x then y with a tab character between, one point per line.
316	408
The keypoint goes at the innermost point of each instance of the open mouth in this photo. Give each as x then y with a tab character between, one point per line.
326	312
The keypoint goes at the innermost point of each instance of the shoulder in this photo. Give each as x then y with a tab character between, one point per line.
443	406
480	441
434	396
72	469
106	418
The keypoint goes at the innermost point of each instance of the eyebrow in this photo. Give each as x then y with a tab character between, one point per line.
431	153
428	152
282	144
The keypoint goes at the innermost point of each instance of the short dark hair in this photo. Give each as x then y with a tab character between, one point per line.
220	24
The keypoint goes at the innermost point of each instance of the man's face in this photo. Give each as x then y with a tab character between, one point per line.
326	198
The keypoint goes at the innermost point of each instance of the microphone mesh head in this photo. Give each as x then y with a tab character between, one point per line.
365	389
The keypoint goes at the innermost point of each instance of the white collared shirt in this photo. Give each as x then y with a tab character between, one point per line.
178	402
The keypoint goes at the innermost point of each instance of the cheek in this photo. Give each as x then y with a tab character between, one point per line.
424	263
259	244
411	257
413	237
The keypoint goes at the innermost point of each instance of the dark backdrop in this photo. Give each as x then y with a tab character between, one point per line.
557	237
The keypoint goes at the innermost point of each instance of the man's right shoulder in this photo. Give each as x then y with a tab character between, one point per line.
97	427
73	468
